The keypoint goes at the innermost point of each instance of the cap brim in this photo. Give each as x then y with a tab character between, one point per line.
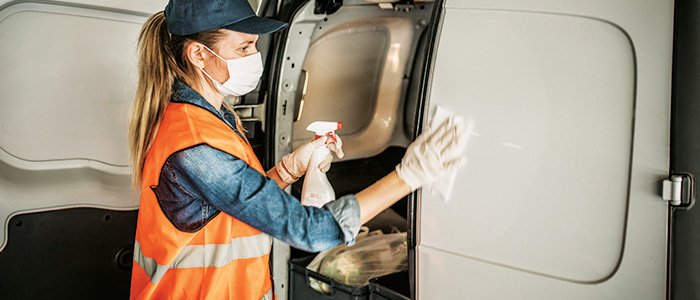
257	25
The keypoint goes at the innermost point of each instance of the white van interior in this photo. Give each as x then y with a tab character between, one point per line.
575	104
67	210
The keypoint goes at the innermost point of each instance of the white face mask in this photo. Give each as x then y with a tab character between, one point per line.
243	74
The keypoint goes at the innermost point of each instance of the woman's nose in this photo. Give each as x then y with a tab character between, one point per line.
253	49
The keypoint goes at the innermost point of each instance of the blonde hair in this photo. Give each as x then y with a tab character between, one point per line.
161	61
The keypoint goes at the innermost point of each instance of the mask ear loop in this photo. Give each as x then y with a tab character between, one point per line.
218	84
205	72
209	76
212	52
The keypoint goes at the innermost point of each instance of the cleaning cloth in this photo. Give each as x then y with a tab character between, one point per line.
442	187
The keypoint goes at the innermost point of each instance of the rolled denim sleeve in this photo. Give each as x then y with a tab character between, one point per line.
232	186
346	212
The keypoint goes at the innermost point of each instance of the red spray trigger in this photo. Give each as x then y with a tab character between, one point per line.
321	128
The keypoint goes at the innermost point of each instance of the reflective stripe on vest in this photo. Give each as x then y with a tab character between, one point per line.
203	256
268	295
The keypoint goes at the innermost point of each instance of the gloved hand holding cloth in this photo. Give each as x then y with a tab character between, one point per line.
434	153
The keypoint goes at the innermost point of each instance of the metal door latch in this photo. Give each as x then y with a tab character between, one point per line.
679	190
400	5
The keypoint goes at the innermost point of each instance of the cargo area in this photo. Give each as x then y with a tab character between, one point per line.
359	66
577	181
346	179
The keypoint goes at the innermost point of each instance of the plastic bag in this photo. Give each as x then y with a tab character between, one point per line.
374	255
388	221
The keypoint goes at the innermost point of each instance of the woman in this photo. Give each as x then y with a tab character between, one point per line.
208	209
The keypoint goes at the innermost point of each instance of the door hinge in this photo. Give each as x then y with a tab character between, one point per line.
679	190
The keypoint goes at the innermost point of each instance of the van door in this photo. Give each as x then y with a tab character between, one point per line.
560	196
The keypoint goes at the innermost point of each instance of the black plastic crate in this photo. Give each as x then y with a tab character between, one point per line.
390	287
300	288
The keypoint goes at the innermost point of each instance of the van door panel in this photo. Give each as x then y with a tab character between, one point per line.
65	102
559	197
66	205
552	99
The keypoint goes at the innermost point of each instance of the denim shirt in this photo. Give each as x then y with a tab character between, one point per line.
198	183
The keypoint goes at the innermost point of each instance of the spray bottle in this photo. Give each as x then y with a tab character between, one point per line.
317	191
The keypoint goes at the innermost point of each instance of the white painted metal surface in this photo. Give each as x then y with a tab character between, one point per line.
565	96
69	73
69	102
355	61
137	7
355	73
294	53
550	153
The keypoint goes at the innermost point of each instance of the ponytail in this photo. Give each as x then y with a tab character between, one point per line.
161	61
157	69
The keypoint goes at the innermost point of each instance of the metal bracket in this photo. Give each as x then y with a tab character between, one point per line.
400	5
327	7
679	190
404	5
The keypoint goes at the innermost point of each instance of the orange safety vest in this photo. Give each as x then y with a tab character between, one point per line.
225	259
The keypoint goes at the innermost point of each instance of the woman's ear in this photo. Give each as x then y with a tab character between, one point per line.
196	54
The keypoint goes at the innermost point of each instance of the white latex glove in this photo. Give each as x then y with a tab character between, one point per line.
294	165
435	152
336	146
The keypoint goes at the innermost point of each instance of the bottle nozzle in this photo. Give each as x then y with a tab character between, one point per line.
321	128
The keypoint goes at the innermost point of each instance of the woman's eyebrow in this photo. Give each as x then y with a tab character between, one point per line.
246	42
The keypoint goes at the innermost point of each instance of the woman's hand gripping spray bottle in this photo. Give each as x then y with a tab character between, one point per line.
317	191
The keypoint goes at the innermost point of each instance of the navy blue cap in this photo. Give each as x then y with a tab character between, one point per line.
189	17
